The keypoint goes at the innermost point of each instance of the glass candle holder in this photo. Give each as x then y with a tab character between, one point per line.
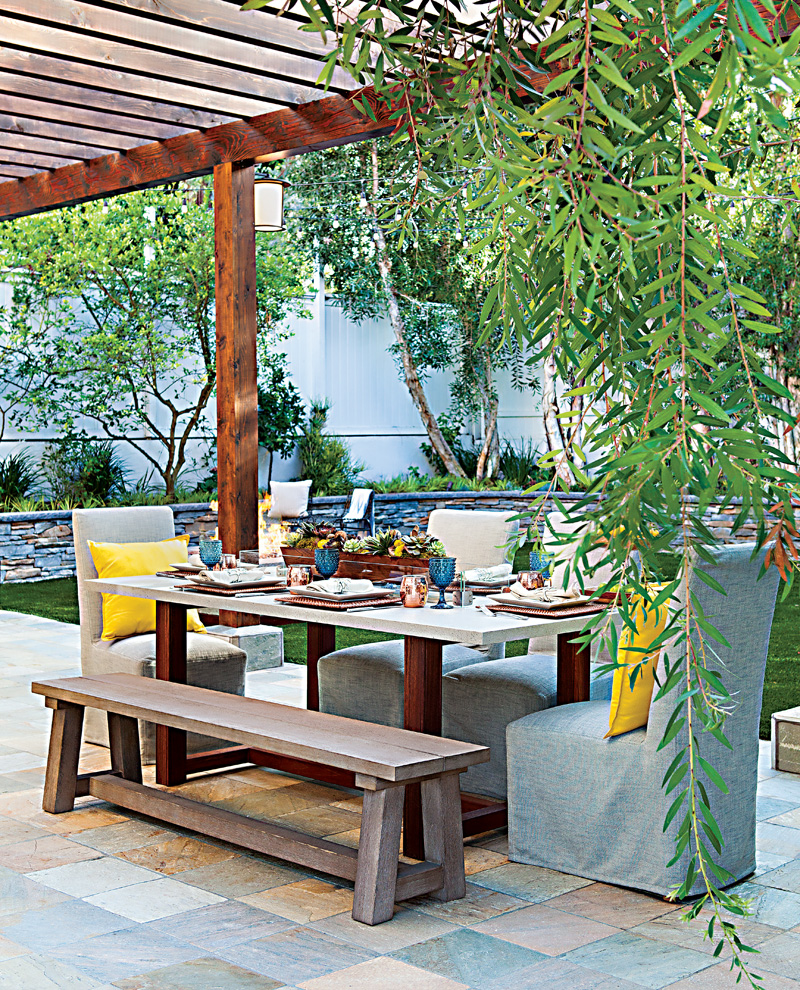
442	571
326	560
210	552
414	590
299	576
531	579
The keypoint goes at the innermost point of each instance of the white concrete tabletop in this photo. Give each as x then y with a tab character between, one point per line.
468	626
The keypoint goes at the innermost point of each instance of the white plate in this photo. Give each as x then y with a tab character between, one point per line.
248	582
533	603
309	591
192	568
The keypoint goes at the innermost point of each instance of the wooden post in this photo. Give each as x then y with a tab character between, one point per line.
574	670
423	713
237	392
170	666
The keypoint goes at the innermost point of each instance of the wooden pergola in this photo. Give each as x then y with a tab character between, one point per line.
100	97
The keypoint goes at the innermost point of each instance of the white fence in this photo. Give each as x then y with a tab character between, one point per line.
348	363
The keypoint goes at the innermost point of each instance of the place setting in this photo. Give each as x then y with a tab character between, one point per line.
341	594
217	573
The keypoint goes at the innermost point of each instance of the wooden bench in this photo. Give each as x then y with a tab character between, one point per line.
384	760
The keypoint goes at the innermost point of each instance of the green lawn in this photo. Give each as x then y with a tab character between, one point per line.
58	599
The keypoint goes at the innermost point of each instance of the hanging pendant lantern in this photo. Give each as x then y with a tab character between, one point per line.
269	204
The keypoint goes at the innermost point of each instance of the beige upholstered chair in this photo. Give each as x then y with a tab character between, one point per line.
212	662
366	682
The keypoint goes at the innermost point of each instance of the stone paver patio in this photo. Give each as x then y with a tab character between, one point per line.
98	898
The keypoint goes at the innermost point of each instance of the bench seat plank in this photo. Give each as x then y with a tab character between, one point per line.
388	753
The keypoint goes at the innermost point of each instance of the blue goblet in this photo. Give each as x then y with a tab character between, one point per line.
210	552
443	572
541	561
327	561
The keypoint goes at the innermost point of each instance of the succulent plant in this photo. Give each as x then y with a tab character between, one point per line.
382	542
354	546
423	545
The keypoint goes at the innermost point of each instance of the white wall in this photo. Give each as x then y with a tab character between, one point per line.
333	357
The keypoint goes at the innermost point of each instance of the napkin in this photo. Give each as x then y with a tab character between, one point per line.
544	594
229	577
344	586
486	574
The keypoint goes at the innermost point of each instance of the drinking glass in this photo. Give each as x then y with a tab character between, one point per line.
327	561
299	575
210	552
414	590
442	571
541	561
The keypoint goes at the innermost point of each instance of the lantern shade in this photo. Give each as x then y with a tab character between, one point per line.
269	204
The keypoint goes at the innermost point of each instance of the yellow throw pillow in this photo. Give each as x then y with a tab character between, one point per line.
126	616
630	708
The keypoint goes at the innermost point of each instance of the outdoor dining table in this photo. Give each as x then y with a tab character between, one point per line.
425	631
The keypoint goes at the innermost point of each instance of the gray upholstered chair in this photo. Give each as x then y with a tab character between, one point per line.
366	681
479	701
212	662
594	807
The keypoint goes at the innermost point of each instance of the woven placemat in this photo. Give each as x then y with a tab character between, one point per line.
340	606
248	589
549	613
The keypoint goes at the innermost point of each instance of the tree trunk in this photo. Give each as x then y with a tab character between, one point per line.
553	433
413	382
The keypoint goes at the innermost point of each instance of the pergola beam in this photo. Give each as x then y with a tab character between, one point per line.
321	124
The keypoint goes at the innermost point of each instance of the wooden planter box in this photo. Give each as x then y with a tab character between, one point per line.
361	565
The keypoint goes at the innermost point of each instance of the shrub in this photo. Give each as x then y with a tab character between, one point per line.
324	459
467	456
18	477
81	470
519	465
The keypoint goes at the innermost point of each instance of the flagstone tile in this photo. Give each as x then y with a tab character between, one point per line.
321	820
221	925
545	929
93	877
35	972
20	761
477	860
306	900
779	955
770	906
497	841
240	876
478	904
674	928
470	957
531	883
790	818
13	831
613	906
385	973
200	974
116	838
42	853
19	894
218	788
152	900
641	960
61	924
10	949
778	839
405	928
560	974
768	807
131	952
76	822
277	801
720	977
261	777
296	955
10	784
784	786
176	854
355	804
785	877
766	862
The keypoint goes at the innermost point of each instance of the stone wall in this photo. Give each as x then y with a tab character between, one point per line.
35	546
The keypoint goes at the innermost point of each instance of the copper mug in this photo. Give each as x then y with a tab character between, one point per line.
299	576
531	579
413	590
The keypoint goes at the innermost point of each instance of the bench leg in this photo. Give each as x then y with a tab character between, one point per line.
123	736
61	777
444	841
378	855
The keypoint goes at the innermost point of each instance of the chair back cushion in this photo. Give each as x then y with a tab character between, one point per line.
288	499
124	615
475	537
144	524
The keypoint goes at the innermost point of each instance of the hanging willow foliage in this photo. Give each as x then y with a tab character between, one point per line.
601	149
